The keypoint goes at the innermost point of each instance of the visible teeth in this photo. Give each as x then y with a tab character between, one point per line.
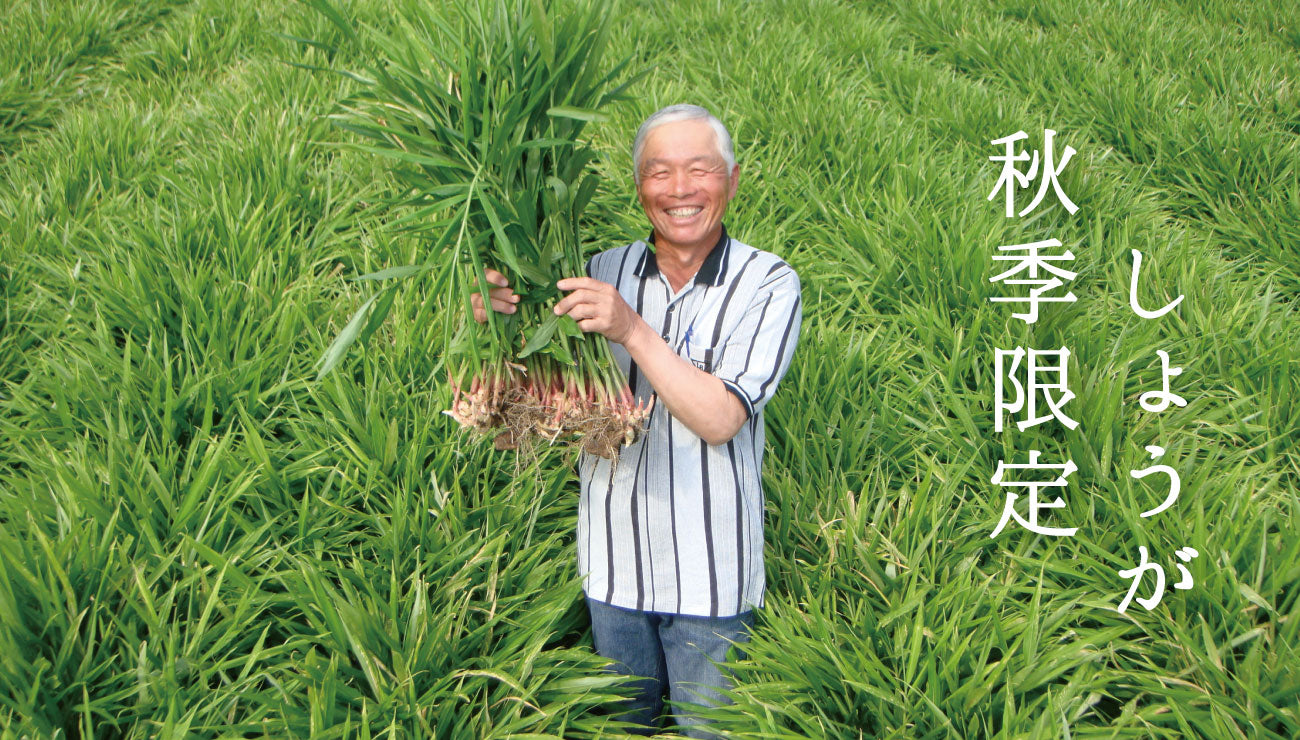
684	211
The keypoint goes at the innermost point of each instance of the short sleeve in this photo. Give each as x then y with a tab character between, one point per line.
756	354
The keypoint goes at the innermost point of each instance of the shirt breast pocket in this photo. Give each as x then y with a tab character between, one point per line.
701	357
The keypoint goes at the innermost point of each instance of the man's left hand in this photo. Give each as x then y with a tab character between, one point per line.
598	307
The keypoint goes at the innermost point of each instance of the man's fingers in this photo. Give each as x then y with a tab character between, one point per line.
566	304
495	277
496	294
594	305
584	290
575	283
481	316
505	295
580	296
502	300
583	311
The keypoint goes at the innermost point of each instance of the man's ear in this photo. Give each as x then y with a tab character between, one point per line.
735	181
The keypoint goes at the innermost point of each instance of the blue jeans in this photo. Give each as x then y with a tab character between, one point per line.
674	649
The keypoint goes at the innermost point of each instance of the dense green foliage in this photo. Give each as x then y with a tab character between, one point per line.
482	109
197	538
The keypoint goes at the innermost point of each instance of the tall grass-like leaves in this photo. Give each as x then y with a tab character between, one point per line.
482	112
196	540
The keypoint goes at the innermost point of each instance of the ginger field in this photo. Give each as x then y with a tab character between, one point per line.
198	538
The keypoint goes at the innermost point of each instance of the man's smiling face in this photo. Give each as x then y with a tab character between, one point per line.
685	185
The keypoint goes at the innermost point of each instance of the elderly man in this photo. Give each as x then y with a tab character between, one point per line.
670	539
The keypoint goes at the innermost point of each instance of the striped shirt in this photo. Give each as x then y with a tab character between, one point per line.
676	525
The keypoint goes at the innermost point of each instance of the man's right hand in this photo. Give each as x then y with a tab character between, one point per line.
503	299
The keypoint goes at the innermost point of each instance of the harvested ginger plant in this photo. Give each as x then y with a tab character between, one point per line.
518	404
482	112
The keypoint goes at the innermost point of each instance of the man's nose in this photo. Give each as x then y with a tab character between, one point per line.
681	184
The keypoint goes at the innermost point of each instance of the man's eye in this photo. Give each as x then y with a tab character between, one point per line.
658	174
698	172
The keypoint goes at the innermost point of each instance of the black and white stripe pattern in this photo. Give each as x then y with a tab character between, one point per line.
676	526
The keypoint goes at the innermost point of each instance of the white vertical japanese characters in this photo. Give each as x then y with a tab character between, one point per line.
1156	402
1046	370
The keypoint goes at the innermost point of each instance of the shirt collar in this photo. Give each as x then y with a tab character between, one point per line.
711	272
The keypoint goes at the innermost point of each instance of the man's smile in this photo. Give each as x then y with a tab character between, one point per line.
683	211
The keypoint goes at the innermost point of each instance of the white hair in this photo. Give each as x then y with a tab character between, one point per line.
672	114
